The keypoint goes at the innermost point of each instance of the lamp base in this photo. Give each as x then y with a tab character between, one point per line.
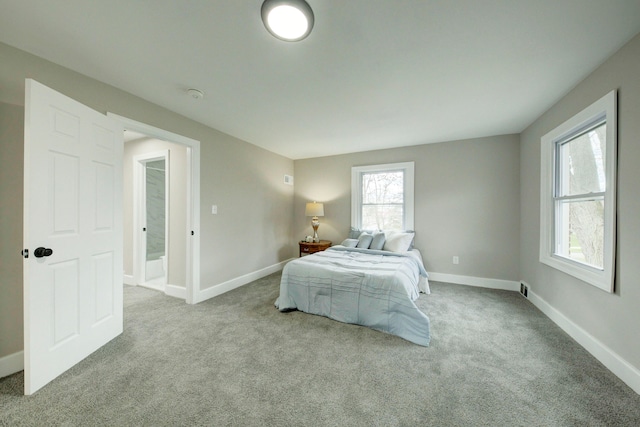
315	224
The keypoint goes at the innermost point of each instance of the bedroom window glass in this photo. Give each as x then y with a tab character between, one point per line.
382	197
578	195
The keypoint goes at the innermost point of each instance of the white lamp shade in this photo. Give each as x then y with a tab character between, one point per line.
314	209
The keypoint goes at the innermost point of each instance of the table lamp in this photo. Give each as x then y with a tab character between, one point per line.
315	210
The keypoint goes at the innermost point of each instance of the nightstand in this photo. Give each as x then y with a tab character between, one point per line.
311	248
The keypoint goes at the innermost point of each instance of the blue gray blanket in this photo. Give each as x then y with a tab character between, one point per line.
376	289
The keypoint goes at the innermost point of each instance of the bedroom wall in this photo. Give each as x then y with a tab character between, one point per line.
11	184
252	230
467	202
177	205
611	319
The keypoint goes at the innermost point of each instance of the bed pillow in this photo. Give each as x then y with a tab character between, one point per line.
364	241
378	240
354	233
398	241
350	243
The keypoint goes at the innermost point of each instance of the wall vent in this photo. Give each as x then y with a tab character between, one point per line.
524	289
288	179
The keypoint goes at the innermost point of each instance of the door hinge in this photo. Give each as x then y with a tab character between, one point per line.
25	253
192	233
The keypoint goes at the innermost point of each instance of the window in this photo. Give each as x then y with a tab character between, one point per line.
382	197
577	197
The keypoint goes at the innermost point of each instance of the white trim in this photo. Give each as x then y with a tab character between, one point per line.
11	364
151	285
229	285
193	194
193	223
480	282
600	278
616	364
127	279
175	291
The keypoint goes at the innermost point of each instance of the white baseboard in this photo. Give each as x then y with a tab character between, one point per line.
11	364
616	364
175	291
229	285
168	289
128	280
481	282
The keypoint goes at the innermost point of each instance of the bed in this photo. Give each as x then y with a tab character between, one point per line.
368	287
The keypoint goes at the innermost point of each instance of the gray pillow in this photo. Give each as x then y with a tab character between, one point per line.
364	241
354	233
350	243
378	240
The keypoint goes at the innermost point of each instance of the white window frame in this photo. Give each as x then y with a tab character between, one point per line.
603	278
408	192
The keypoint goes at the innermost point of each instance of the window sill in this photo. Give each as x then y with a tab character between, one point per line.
601	279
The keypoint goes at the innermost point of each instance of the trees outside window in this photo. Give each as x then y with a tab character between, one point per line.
580	196
383	200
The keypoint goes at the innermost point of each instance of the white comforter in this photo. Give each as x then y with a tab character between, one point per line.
370	288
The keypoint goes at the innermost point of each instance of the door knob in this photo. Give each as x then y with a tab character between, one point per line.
42	252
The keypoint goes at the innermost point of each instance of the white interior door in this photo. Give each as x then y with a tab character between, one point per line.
72	231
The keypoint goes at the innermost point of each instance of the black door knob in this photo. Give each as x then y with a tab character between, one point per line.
42	252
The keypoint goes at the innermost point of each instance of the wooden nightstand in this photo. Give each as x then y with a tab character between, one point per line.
311	248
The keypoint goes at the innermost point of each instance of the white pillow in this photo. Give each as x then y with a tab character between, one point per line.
397	241
364	241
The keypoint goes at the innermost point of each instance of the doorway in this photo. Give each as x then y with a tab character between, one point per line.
187	253
151	199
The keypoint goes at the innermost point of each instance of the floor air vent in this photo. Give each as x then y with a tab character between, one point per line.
524	289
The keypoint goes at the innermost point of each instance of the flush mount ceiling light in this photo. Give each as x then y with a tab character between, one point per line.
288	20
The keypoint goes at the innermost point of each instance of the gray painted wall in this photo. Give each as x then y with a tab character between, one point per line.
612	319
11	184
252	230
467	202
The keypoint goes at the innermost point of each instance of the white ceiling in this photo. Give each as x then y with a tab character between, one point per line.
372	74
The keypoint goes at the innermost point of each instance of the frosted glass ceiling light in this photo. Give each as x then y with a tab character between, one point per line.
288	20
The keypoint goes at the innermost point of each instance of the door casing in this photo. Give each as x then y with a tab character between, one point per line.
193	198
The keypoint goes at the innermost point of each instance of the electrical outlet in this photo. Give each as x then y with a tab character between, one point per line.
456	260
214	209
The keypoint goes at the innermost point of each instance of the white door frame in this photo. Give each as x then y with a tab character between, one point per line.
193	197
140	215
